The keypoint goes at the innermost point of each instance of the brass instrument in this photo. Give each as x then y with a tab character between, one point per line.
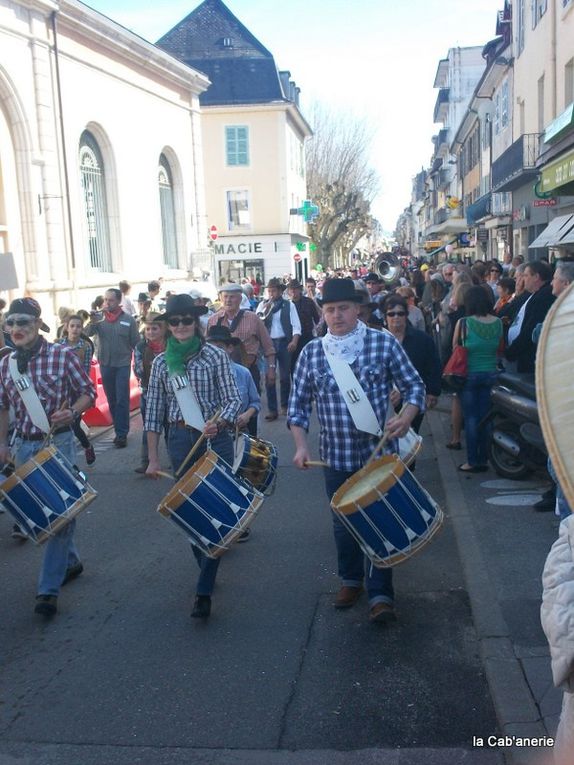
387	266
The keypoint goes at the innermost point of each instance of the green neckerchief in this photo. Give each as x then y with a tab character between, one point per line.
176	353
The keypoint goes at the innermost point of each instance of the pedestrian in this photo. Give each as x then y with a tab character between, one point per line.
209	373
282	322
378	361
249	328
153	289
309	316
250	400
153	343
127	304
481	334
64	391
416	317
117	337
83	347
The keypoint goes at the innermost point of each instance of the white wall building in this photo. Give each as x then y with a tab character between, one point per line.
101	173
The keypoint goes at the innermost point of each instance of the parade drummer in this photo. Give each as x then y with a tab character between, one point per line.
209	388
63	391
377	363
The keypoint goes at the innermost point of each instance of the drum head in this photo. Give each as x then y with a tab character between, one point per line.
366	486
239	451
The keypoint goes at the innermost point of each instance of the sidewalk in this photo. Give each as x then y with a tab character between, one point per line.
503	544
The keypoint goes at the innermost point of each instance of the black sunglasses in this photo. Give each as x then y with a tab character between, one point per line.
18	322
187	321
396	313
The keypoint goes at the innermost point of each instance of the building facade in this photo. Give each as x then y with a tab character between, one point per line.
100	155
253	147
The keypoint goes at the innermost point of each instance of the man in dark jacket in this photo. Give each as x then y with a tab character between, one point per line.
521	348
309	316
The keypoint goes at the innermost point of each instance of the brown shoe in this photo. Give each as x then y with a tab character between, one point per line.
382	613
347	597
271	416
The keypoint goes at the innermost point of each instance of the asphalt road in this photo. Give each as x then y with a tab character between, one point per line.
124	675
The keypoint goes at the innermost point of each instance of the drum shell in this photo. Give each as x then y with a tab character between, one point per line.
256	462
211	505
45	482
391	520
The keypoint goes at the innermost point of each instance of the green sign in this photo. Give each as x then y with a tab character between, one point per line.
308	211
558	173
301	246
560	124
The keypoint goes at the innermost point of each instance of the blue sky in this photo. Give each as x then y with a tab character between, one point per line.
374	58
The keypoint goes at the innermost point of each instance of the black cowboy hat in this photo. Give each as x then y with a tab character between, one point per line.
182	305
294	284
275	282
339	291
220	334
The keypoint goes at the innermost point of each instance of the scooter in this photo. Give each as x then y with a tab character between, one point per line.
516	446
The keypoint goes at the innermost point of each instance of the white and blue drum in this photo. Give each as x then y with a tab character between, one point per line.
211	505
256	461
45	493
387	511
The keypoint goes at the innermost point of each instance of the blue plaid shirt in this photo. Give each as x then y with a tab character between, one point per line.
381	364
212	380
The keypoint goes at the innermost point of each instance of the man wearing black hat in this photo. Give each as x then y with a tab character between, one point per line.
309	316
211	380
378	362
282	321
64	391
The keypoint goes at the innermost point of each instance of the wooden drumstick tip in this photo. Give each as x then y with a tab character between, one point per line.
315	463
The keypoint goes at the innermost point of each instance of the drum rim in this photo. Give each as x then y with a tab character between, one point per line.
32	464
189	480
347	508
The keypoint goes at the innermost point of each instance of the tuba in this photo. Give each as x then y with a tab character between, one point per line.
387	267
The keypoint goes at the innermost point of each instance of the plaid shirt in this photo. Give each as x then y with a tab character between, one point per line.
250	330
381	364
83	350
58	377
212	380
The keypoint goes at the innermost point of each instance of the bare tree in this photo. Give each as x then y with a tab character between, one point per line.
340	181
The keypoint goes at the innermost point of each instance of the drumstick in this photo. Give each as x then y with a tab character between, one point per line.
315	463
382	443
53	426
163	474
197	444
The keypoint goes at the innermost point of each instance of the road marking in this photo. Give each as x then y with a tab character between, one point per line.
514	500
503	484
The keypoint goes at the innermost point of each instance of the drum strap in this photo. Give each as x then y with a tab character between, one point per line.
354	396
187	402
29	396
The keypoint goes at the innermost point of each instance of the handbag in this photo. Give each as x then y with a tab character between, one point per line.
455	370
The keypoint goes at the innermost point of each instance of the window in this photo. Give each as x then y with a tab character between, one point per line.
504	106
238	217
497	113
237	145
520	27
95	205
569	83
541	104
167	207
537	10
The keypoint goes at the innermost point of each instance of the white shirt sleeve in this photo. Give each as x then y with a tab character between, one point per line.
295	321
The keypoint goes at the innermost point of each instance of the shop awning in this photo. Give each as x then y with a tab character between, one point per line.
559	231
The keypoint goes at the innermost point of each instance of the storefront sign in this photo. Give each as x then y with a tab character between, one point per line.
241	248
482	234
558	173
545	202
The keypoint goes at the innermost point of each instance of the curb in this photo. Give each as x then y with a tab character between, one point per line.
514	705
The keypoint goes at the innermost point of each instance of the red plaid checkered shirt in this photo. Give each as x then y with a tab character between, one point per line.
58	377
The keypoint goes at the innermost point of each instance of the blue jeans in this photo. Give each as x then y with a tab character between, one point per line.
283	361
179	442
475	400
353	565
60	550
561	502
116	382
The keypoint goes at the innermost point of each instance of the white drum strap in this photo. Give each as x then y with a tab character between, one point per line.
29	397
354	397
187	402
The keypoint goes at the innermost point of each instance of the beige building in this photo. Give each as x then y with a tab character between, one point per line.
253	147
101	173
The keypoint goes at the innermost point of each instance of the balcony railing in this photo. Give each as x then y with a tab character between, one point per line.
441	105
517	165
443	178
479	209
440	215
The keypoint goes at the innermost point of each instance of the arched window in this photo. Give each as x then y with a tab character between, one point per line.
95	206
167	206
